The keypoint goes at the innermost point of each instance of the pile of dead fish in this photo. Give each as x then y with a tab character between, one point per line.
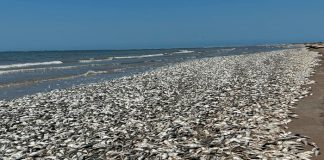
232	107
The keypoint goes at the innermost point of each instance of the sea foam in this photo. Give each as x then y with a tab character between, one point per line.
183	51
140	56
95	60
29	64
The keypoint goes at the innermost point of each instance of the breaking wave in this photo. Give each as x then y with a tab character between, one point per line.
29	64
95	60
140	56
227	49
90	73
183	51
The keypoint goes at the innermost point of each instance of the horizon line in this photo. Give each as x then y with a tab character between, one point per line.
156	48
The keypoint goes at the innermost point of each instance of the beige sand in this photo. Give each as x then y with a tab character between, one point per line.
311	110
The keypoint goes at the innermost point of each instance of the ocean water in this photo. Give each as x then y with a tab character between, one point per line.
23	73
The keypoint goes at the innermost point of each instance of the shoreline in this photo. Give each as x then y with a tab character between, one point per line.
310	110
227	107
29	77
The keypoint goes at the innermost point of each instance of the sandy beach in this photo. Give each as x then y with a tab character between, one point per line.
310	121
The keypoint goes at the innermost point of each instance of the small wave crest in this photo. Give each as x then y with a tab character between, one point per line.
95	60
183	51
21	65
91	73
227	49
140	56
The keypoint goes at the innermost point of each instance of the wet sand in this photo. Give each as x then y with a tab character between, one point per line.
311	110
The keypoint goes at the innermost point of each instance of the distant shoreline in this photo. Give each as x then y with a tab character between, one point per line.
154	48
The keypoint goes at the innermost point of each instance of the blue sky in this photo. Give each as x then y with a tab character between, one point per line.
125	24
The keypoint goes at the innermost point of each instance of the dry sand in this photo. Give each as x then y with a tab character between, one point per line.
311	110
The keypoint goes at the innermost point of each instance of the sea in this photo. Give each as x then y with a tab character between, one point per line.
29	72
